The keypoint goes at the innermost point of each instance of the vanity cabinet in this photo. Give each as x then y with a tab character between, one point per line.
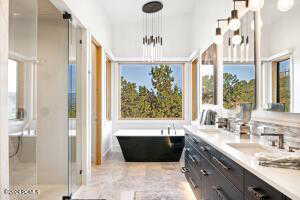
214	176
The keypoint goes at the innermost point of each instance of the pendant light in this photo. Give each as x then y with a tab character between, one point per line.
236	39
285	5
256	5
234	23
152	38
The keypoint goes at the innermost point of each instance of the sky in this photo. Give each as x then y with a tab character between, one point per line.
243	72
139	74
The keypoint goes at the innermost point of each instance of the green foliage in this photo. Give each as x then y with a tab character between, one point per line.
237	91
163	101
208	89
285	93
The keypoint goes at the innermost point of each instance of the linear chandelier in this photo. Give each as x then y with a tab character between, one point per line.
152	41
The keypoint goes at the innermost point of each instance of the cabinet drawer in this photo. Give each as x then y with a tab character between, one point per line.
200	145
218	187
194	185
228	168
257	189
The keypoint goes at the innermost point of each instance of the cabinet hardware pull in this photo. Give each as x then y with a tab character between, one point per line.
220	193
220	163
204	173
203	148
192	158
195	141
255	193
193	184
184	170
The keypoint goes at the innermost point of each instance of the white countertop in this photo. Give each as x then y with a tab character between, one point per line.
148	132
286	181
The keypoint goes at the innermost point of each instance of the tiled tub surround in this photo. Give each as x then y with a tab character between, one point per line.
286	181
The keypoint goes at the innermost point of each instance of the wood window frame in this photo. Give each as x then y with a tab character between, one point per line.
97	100
194	77
108	88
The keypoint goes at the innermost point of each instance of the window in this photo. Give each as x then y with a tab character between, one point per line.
12	89
283	84
238	85
208	84
151	91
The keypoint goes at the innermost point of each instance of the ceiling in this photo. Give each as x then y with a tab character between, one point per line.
271	14
128	10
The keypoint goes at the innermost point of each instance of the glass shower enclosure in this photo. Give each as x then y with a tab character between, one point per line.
44	133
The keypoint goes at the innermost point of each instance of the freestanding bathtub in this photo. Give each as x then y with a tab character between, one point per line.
150	145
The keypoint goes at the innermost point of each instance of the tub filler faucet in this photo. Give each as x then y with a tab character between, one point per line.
172	125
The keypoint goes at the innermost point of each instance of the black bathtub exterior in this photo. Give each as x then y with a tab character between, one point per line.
151	148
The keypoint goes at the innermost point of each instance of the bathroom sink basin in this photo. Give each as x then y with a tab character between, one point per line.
210	130
250	148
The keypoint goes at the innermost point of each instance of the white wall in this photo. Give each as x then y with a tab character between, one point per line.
126	37
92	16
205	21
52	105
281	35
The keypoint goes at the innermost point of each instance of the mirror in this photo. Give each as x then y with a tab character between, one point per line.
280	53
208	84
208	76
239	83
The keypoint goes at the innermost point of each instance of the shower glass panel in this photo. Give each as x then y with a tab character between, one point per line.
21	80
74	140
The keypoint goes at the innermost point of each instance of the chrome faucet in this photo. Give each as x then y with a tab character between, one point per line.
171	125
280	138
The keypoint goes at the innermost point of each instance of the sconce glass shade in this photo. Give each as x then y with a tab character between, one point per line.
256	5
218	37
234	23
285	5
236	39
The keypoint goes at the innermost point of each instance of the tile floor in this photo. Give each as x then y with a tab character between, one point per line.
119	180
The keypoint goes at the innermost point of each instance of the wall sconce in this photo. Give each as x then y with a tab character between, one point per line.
219	36
234	23
236	39
253	5
285	5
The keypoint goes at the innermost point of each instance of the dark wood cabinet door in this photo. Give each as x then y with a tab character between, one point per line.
256	188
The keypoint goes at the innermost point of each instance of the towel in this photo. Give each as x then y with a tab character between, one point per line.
288	160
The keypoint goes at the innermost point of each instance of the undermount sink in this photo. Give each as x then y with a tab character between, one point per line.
250	148
210	130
